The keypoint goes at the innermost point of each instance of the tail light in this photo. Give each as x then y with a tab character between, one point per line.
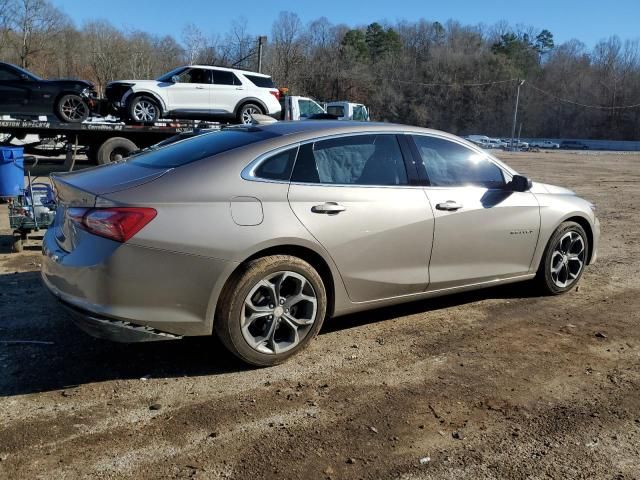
275	93
117	223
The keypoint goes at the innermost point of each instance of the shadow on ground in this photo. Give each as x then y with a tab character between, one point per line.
41	350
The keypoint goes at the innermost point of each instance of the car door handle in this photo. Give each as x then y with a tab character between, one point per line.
199	87
328	208
239	88
449	205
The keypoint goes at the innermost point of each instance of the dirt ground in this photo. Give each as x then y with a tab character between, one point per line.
498	383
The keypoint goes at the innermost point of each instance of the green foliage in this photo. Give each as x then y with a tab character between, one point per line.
544	42
374	44
354	43
523	51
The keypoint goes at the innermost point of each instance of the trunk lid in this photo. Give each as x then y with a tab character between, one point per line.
82	189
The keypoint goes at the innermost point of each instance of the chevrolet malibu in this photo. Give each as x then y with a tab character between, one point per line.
258	233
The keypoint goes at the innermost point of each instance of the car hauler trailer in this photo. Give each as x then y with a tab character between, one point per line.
103	141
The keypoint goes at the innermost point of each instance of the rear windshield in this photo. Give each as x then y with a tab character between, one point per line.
199	147
336	110
264	82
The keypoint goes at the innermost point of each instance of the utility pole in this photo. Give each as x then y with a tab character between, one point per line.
261	41
515	113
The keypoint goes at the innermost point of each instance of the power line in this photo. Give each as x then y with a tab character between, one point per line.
584	105
556	97
482	84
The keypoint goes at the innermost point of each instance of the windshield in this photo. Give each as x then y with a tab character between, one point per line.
199	147
169	75
360	113
27	73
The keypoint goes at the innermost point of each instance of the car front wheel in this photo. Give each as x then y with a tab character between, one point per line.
564	259
271	309
72	108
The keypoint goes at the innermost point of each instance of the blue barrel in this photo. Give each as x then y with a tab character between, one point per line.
11	171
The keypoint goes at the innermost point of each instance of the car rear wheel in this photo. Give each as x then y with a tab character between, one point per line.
271	309
144	110
564	259
72	108
247	111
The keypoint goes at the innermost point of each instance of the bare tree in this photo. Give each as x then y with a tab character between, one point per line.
287	50
107	51
194	42
34	25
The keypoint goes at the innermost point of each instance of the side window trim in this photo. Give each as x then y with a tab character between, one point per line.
422	172
407	146
248	172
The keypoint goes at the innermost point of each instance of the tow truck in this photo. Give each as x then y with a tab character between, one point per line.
102	140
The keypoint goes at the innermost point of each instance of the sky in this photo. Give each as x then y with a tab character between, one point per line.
586	20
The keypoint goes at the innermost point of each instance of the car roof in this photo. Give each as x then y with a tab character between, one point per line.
228	69
314	128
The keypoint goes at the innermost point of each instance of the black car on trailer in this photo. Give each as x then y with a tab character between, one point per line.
24	94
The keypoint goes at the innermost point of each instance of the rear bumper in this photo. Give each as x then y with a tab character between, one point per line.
114	330
132	293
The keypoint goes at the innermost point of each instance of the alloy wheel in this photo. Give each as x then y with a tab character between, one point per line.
144	111
247	114
567	259
278	312
74	109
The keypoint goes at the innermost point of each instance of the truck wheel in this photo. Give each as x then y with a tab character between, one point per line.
17	245
245	112
144	110
72	108
114	150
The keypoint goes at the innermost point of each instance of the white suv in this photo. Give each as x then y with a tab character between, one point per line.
195	92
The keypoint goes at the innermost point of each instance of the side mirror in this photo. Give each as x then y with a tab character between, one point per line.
520	183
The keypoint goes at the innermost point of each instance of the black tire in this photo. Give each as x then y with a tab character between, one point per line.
143	109
246	110
114	150
545	277
231	308
72	108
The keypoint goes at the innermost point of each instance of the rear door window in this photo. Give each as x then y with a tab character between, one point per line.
223	77
352	160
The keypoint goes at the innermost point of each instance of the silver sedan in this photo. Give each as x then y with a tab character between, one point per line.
258	233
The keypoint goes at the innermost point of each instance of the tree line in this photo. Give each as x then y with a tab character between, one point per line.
449	76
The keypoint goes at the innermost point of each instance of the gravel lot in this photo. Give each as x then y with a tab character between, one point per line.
493	384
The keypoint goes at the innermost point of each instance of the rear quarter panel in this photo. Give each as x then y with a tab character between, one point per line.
194	205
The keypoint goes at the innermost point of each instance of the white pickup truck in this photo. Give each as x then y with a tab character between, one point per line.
299	108
295	107
348	111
